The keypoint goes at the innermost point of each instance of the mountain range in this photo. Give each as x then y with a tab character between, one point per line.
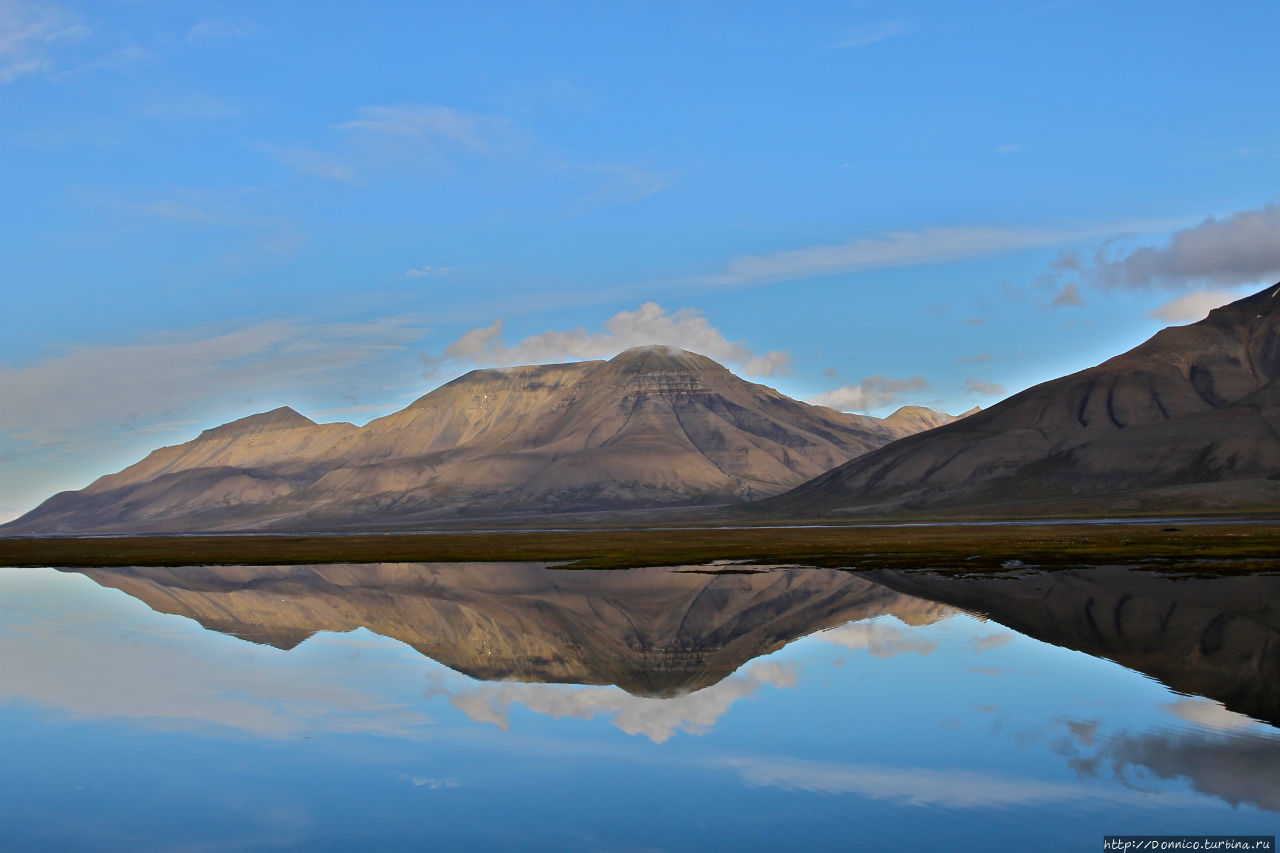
652	427
1187	421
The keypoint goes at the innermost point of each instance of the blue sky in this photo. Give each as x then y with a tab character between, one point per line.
212	209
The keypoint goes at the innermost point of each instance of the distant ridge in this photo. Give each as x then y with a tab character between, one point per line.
1189	420
651	427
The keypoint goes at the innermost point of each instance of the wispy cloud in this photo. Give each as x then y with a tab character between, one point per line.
974	385
86	395
988	642
29	32
1068	297
428	140
871	393
217	29
192	105
72	656
431	129
308	161
890	249
647	325
872	33
384	139
426	271
1011	148
915	786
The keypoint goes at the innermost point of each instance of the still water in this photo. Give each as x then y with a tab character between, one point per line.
524	707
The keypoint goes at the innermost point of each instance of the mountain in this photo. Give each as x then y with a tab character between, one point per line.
652	632
1188	420
652	427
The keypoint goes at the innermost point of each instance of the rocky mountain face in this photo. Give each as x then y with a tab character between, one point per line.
652	427
652	632
1188	420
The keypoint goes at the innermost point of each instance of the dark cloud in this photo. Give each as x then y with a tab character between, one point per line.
1243	248
973	385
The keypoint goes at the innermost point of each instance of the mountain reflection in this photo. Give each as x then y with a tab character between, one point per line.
1217	637
656	632
661	632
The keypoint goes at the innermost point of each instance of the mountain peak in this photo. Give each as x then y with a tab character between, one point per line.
276	419
655	357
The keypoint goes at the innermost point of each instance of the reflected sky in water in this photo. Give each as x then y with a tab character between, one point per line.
839	712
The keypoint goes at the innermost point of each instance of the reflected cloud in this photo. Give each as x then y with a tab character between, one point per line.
880	639
1210	714
90	668
657	719
1237	767
992	641
915	786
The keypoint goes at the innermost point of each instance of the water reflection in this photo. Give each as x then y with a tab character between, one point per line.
1217	637
662	632
653	632
893	702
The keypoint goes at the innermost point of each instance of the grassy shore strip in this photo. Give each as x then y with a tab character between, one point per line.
1249	547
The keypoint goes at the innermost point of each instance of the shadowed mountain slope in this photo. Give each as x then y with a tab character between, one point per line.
652	632
652	427
1188	420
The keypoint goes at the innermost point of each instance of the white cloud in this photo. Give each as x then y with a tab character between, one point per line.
871	393
1194	306
650	324
28	31
882	640
872	33
974	385
890	249
1011	148
657	719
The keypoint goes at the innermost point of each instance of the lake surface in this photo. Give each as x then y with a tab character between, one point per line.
516	706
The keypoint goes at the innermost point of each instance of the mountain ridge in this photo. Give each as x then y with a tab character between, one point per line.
1189	419
651	427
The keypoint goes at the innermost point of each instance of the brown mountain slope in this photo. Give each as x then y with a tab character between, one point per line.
651	427
1188	420
652	632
